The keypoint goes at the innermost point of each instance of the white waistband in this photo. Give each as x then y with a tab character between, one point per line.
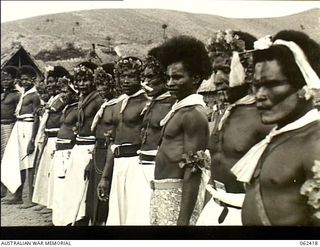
148	152
23	116
235	199
51	130
85	138
60	140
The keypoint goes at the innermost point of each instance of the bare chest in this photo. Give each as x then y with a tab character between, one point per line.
282	164
238	133
91	109
9	99
70	116
155	114
107	117
173	127
132	112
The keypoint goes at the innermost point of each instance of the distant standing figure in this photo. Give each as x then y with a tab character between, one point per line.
14	168
9	100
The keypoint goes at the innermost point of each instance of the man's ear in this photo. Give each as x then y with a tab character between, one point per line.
196	80
34	80
306	93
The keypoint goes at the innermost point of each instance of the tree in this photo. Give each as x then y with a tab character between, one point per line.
108	38
164	27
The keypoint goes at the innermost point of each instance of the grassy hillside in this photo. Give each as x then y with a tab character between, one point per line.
137	30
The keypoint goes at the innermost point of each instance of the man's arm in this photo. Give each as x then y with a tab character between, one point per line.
196	132
17	96
311	186
35	107
105	181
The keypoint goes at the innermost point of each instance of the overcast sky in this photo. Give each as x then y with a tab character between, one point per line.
14	10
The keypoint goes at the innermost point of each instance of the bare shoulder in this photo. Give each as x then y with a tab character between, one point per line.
35	97
194	115
312	134
16	94
309	142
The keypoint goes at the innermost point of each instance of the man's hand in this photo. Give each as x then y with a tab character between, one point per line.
31	147
102	189
86	174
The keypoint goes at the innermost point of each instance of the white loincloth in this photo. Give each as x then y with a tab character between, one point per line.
41	186
75	185
5	135
61	163
139	180
122	193
15	151
211	212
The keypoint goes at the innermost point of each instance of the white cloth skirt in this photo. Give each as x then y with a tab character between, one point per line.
61	163
5	135
75	186
15	151
139	197
122	193
211	212
41	186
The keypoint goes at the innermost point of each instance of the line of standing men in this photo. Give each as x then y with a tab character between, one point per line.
141	150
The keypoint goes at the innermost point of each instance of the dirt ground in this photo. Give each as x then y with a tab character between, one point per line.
13	215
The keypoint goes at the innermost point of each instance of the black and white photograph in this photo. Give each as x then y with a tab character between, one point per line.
122	117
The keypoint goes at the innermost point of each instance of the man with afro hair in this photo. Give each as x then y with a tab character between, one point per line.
178	191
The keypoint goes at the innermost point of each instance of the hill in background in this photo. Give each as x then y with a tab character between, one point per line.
134	31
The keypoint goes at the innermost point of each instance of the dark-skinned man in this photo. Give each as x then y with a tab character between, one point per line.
281	172
235	131
9	99
103	127
50	120
15	168
154	84
65	141
89	103
178	188
127	141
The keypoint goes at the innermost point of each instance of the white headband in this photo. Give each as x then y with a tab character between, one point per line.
310	76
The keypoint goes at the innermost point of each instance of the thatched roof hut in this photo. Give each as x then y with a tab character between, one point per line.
17	56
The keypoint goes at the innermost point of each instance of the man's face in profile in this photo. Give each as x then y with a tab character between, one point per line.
180	83
277	98
221	70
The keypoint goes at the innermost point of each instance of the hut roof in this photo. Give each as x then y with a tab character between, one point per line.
18	56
